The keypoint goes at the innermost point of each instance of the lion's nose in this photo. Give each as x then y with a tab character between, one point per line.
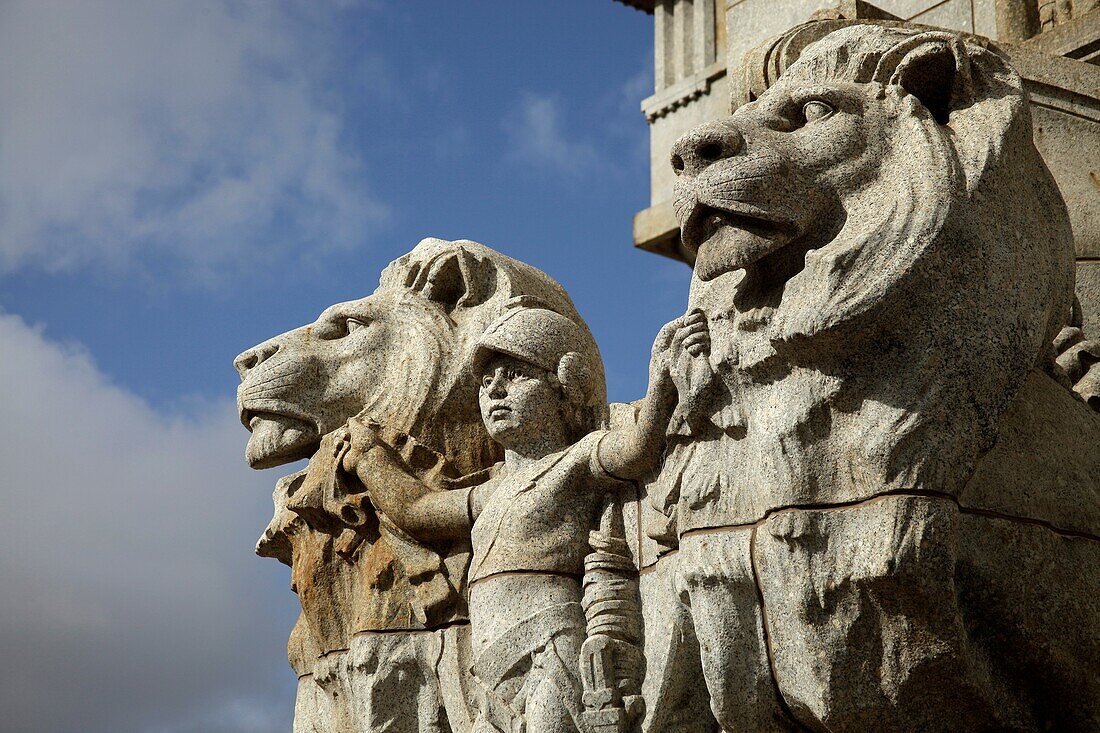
704	145
255	356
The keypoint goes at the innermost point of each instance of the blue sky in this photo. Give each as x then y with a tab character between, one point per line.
180	179
179	228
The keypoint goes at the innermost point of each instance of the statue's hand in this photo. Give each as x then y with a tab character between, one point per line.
360	435
693	336
685	338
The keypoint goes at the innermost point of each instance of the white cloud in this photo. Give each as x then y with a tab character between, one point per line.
129	596
537	137
194	132
604	136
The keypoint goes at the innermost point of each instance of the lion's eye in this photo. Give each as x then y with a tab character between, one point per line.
352	325
815	110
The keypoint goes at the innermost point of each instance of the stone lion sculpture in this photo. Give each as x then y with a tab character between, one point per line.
400	358
886	509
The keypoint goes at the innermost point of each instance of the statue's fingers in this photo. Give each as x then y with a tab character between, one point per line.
686	335
694	317
693	329
664	337
350	461
687	319
695	334
696	341
678	341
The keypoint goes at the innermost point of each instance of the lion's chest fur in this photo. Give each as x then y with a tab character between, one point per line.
785	443
812	426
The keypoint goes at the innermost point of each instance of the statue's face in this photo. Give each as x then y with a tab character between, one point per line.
519	403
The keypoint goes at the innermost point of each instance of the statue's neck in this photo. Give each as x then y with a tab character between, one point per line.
519	457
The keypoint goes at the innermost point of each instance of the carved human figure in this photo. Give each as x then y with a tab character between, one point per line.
530	520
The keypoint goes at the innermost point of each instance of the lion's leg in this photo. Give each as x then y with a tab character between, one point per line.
864	620
1027	599
382	683
675	701
453	671
717	585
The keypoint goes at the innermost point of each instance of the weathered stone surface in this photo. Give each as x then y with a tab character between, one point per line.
1065	107
676	700
1088	295
412	682
964	605
1045	465
869	454
885	263
398	682
401	356
1072	32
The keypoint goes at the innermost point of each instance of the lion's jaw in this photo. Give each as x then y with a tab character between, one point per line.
732	217
277	440
380	354
283	426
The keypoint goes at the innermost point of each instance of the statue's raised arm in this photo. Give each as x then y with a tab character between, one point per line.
634	451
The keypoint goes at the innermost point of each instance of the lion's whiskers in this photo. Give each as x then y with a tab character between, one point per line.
683	203
266	389
287	370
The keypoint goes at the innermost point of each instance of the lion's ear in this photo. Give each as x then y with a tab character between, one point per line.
934	67
453	279
967	87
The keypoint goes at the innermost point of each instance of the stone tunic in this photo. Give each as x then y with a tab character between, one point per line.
538	519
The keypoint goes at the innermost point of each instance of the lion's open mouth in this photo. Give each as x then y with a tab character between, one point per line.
277	438
705	222
250	418
255	412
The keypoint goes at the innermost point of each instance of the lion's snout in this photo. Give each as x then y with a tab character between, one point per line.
718	169
252	358
705	145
